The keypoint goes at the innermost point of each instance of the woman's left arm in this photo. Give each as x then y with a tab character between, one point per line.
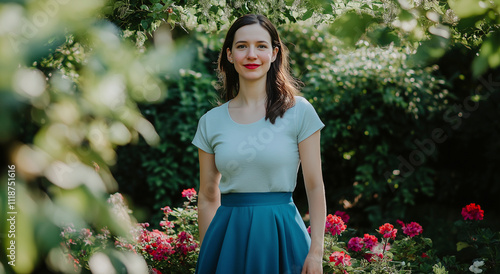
310	157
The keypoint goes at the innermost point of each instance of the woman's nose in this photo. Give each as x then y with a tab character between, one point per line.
251	53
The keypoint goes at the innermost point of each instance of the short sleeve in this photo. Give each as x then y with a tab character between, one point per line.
201	139
308	121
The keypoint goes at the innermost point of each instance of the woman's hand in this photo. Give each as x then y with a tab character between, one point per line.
313	265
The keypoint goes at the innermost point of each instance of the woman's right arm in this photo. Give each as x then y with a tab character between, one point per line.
209	193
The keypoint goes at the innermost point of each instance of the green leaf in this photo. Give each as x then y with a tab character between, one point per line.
430	50
462	245
467	8
350	26
489	55
145	24
307	15
157	7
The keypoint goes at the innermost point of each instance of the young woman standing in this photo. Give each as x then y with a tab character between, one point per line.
250	148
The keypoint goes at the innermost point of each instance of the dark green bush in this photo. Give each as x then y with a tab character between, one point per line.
380	113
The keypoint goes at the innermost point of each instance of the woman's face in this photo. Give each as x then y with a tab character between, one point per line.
252	52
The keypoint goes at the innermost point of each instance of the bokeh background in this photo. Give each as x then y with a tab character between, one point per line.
104	96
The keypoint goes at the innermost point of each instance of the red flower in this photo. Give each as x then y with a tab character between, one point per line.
388	231
340	258
355	244
345	217
334	224
156	271
370	241
189	193
412	229
424	255
472	212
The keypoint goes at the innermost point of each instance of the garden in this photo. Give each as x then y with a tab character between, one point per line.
100	99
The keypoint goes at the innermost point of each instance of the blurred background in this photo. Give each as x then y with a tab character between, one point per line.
104	96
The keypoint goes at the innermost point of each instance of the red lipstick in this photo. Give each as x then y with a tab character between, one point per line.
251	66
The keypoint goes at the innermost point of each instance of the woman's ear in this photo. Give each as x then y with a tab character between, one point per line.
229	55
275	53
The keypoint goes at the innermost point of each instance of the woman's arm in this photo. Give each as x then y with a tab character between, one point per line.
310	157
209	193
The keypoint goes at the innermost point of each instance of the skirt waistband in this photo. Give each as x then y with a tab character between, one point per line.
256	198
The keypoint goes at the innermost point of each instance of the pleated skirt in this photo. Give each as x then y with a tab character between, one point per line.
255	233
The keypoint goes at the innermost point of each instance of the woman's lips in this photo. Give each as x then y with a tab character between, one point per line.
252	66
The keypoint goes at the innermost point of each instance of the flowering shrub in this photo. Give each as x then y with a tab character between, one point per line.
392	254
476	243
173	249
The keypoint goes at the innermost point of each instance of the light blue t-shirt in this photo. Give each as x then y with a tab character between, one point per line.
257	157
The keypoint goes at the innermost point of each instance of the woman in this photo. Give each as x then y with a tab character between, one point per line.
250	148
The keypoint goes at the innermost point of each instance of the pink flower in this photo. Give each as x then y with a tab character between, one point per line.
156	271
472	212
158	244
370	241
166	210
185	243
334	224
340	258
166	224
412	229
388	231
345	217
355	244
189	193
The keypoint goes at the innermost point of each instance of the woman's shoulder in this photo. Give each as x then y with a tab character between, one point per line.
216	112
301	102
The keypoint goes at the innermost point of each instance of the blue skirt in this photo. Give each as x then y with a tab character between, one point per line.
255	233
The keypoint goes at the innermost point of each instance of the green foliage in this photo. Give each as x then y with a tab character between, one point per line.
172	165
75	83
354	93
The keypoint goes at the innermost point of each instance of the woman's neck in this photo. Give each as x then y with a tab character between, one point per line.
251	93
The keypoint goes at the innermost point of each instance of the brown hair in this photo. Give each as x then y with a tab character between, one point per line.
281	87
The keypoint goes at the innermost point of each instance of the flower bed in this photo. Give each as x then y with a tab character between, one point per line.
401	249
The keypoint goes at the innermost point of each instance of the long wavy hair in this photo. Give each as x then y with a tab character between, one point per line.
281	86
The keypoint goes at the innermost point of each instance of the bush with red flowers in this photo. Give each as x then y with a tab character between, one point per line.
174	248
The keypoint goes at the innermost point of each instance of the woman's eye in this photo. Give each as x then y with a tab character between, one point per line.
240	46
262	46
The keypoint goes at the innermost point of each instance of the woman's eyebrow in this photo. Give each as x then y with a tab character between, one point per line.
242	41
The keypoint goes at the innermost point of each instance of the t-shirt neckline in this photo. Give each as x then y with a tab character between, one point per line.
240	124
